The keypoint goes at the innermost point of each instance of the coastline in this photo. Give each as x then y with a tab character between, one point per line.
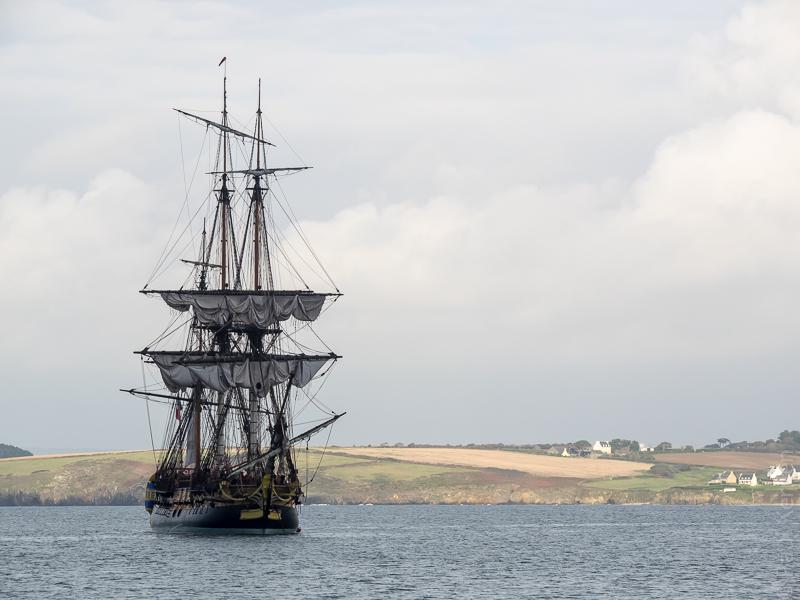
352	476
698	500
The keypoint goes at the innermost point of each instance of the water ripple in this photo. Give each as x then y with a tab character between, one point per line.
411	552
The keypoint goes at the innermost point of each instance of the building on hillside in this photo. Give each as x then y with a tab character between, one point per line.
791	472
602	447
784	479
645	447
729	477
748	479
775	471
783	474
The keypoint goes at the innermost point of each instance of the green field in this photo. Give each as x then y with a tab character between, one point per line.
28	466
697	477
314	458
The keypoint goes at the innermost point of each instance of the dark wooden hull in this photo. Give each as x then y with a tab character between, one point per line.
226	519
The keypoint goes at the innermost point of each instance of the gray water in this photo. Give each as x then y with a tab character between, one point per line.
371	552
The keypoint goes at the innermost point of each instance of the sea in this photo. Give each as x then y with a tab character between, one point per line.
414	552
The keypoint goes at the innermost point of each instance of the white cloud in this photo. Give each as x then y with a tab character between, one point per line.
716	208
72	264
754	60
540	235
696	263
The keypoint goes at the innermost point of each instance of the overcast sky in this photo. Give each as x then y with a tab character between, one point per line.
551	220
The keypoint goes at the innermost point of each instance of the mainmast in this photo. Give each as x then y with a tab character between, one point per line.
256	339
222	335
224	198
257	202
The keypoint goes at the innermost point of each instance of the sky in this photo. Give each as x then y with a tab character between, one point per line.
550	221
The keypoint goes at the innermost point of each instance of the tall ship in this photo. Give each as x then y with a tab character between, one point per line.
235	364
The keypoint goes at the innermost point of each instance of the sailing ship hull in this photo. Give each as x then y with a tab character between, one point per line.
236	519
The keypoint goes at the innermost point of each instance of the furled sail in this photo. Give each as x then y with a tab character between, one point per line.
252	309
180	370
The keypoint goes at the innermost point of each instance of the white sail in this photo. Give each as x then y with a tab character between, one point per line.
253	374
255	309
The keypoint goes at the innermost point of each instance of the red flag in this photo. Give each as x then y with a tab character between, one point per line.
224	58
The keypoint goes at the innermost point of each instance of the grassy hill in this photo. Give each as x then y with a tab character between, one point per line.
96	478
389	476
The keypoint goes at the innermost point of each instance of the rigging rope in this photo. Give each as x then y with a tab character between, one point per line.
311	399
280	237
275	244
163	261
300	158
167	331
149	423
162	257
296	224
324	450
187	187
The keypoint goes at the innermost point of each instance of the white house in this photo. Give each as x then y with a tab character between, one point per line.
748	479
792	473
786	474
645	447
602	447
775	471
785	479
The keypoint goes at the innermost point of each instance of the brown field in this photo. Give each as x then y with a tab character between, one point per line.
534	464
730	460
